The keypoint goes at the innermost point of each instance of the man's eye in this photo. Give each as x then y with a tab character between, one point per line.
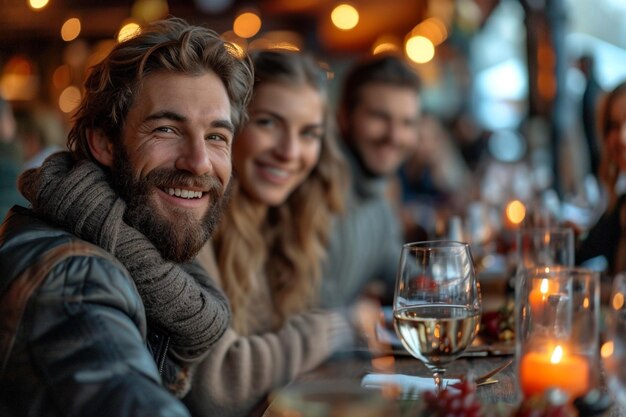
164	129
216	137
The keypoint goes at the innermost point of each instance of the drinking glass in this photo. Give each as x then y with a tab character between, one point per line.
436	308
614	349
557	329
545	246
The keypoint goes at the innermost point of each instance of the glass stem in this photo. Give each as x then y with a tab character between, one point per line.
438	377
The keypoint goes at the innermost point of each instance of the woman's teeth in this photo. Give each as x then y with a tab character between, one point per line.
276	172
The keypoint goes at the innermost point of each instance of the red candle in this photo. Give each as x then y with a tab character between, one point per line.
540	371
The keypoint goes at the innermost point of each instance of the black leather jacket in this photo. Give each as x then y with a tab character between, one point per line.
81	345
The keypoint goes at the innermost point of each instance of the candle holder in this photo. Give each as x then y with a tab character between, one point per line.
557	330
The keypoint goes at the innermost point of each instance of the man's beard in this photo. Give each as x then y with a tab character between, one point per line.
360	159
177	240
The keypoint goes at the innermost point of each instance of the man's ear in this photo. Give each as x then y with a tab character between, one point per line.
101	147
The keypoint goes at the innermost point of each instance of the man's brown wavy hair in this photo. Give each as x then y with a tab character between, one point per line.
170	45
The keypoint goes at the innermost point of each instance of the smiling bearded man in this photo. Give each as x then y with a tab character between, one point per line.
178	241
100	314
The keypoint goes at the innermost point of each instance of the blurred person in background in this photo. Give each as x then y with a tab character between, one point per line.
434	180
9	160
266	254
40	134
589	110
378	115
607	238
101	311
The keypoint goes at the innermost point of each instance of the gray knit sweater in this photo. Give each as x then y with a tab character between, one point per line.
365	243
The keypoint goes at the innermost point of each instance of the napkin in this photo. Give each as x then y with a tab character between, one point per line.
409	384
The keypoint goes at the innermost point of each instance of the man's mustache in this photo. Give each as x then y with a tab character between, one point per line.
163	177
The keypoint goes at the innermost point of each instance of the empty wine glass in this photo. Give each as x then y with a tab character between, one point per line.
436	308
614	349
545	246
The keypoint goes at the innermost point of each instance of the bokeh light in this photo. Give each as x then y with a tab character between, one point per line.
37	4
70	29
386	43
345	17
150	10
69	99
515	212
432	28
607	349
419	49
247	24
128	30
61	77
19	80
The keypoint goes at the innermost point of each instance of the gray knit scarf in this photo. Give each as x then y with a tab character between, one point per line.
78	197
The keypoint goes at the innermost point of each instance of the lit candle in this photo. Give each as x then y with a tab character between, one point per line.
538	296
540	371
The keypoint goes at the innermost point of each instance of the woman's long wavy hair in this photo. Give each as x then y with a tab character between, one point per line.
287	243
608	169
170	45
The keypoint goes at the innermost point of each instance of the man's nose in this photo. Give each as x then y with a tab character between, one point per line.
194	157
394	132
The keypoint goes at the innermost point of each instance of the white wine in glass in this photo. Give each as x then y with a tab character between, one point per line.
436	303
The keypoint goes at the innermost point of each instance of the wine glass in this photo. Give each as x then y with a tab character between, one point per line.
542	246
437	307
614	349
545	246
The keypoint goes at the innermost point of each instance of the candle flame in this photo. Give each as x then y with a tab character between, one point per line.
544	286
557	355
618	301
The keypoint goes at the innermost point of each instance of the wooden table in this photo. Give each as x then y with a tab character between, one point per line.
349	369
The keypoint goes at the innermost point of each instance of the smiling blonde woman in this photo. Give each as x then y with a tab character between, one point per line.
290	180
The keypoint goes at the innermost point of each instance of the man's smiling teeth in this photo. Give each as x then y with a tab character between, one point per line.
183	193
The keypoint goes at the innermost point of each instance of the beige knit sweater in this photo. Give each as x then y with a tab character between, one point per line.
240	371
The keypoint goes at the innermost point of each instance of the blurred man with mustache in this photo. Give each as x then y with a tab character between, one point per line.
378	117
101	311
